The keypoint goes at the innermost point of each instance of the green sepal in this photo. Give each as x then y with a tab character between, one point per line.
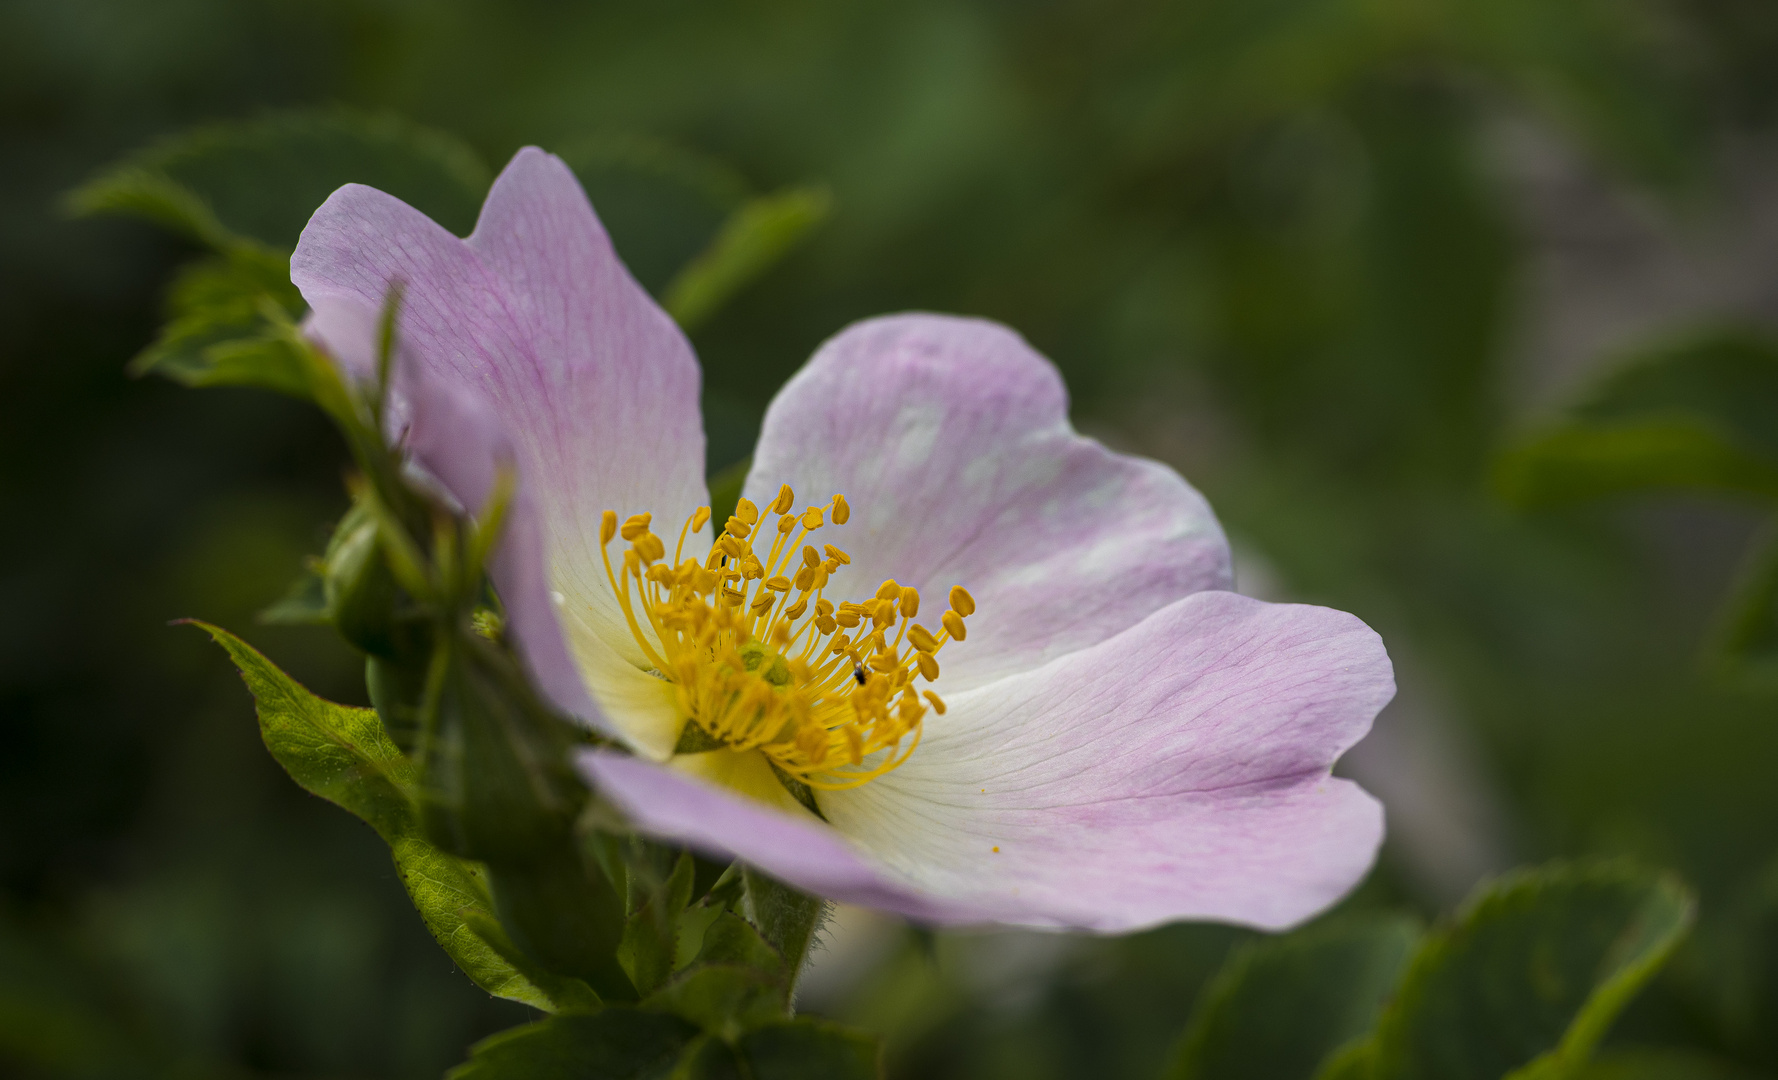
497	781
725	999
650	946
343	755
304	603
1528	977
786	918
1281	1006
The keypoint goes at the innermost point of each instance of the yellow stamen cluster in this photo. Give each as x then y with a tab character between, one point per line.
762	660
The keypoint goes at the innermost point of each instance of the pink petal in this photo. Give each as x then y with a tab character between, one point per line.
455	440
1176	771
950	439
723	824
536	320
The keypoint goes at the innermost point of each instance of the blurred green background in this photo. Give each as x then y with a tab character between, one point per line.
1327	257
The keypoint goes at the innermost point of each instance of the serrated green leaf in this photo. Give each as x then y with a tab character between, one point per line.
1280	1006
614	1043
258	181
218	333
806	1049
1529	976
751	242
1697	413
335	751
344	755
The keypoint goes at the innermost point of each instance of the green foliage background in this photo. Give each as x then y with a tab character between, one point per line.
1274	242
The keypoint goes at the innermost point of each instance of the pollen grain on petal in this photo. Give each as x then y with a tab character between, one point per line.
761	659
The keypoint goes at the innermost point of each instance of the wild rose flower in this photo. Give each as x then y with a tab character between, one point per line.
990	672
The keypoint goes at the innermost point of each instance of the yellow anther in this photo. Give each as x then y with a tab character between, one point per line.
636	525
962	603
650	547
757	673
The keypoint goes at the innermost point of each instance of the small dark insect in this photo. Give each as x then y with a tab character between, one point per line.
858	673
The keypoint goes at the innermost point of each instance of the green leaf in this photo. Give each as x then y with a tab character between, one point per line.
257	182
344	755
1745	645
1651	1064
1530	975
661	202
614	1043
218	333
335	751
1280	1006
1700	412
807	1049
751	242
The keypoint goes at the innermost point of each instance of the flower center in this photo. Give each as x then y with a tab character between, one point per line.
762	660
